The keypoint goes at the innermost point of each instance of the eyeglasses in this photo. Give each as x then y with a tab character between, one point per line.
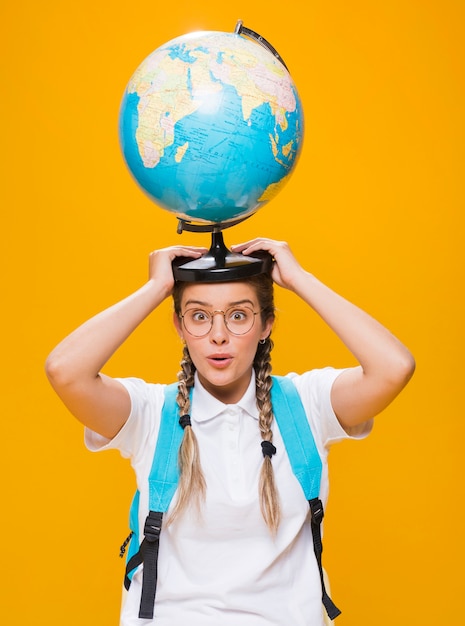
238	320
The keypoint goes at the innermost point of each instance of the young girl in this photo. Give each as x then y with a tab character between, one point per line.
236	548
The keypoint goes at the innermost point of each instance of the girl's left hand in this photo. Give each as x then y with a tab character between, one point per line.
285	270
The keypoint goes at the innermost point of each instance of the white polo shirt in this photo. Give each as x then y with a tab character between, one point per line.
225	568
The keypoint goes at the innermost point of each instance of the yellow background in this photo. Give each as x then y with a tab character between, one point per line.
374	208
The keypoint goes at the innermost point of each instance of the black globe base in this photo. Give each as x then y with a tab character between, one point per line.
220	264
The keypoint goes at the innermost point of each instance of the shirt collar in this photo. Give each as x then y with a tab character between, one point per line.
206	407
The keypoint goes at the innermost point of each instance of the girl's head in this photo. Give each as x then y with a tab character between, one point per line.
224	327
226	331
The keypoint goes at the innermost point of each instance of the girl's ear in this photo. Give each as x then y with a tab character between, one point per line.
177	324
268	327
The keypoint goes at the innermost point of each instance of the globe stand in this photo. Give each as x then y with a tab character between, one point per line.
220	264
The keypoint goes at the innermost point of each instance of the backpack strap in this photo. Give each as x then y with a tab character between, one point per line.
163	482
305	461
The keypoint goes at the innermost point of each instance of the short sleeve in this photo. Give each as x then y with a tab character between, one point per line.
314	388
141	428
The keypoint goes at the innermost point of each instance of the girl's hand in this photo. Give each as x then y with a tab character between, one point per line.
160	269
285	270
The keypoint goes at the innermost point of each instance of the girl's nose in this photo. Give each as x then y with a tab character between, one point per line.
218	332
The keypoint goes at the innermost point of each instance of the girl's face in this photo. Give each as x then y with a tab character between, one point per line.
223	360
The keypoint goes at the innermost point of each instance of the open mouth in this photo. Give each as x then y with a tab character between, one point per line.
220	359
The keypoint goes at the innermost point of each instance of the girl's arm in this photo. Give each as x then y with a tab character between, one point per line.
73	367
386	365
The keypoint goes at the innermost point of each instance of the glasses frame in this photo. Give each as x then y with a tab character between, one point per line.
212	315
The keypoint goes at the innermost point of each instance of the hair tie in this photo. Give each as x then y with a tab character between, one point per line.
185	420
268	449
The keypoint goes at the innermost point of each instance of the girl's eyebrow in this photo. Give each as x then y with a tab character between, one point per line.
207	304
244	301
197	302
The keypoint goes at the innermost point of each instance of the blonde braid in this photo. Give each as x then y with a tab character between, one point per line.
192	482
268	494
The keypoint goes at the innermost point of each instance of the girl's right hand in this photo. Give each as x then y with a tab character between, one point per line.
160	268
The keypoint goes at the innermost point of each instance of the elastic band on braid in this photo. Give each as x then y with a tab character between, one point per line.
268	448
185	420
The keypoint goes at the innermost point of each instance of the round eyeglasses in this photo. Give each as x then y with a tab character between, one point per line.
238	320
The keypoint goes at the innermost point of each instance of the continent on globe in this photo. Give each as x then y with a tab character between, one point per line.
211	126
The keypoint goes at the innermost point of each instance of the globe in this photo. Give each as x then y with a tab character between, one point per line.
211	126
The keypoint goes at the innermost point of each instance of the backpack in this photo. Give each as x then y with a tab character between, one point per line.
164	475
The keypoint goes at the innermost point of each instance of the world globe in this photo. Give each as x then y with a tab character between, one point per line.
211	126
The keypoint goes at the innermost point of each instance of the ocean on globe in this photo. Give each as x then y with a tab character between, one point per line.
211	126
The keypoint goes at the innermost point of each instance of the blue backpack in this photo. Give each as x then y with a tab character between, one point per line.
164	476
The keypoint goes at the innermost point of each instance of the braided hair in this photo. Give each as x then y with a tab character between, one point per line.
268	494
192	487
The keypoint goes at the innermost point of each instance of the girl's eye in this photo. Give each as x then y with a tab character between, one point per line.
238	316
200	316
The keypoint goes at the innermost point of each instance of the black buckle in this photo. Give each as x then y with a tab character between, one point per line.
152	527
316	507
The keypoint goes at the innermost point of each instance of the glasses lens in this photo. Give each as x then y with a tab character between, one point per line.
197	322
239	320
